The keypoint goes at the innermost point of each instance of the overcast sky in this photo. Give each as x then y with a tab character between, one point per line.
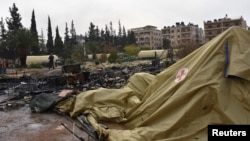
131	13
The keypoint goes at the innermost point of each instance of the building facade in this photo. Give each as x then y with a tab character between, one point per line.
217	26
148	36
181	34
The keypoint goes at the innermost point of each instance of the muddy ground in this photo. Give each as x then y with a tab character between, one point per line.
21	124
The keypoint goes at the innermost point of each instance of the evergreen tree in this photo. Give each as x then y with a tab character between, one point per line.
124	37
3	31
67	48
35	46
91	33
166	43
42	46
14	23
111	29
124	31
91	42
66	37
73	34
58	42
97	34
112	33
119	29
23	39
102	35
102	41
119	37
131	38
3	35
107	35
49	44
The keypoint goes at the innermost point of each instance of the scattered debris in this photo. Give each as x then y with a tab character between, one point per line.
42	90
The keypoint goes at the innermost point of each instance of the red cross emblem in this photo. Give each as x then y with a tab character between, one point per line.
182	73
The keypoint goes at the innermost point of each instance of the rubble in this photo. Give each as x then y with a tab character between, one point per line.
52	86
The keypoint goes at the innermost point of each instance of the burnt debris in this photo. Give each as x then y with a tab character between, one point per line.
72	77
42	91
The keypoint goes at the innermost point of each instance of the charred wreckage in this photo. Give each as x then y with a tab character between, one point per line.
42	91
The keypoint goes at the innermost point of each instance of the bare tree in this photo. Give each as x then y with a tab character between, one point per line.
185	49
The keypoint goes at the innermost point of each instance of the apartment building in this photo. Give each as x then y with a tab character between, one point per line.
148	36
217	26
180	34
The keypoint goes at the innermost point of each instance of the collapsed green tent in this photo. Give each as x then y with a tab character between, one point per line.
209	86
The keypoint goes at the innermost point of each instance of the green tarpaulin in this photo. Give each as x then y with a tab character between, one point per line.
209	86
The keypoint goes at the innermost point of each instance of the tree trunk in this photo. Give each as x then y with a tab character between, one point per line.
23	57
23	61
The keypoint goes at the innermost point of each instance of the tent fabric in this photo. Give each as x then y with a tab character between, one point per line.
152	53
44	102
37	59
209	86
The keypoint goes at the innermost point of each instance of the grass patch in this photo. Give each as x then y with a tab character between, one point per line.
36	65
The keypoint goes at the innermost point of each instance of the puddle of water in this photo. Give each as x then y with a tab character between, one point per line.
34	125
3	128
